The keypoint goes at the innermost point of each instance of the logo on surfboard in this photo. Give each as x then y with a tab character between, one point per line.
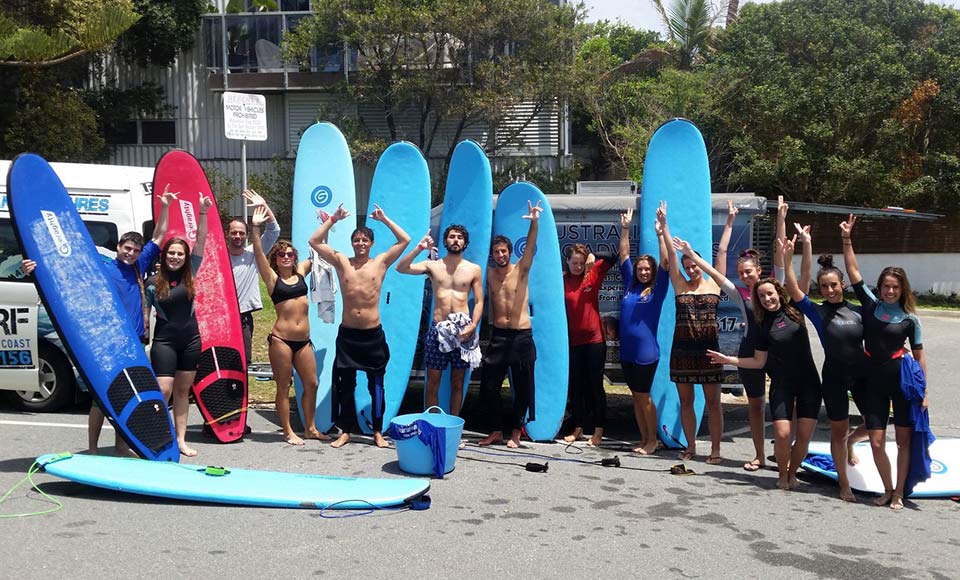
321	196
189	220
521	247
56	232
937	467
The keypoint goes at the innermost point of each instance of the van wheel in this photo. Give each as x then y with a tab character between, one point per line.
55	384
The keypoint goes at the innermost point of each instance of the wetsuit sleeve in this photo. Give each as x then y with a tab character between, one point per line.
195	262
147	257
626	273
915	337
269	236
599	270
864	295
812	313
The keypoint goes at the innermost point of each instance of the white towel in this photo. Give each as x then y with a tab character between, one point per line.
448	332
323	287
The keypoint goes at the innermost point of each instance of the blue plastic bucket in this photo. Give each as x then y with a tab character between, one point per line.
427	443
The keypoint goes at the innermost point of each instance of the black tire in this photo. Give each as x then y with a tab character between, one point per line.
56	386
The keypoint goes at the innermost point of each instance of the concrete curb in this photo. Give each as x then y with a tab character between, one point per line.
939	313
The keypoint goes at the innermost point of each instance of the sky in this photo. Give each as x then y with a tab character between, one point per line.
642	14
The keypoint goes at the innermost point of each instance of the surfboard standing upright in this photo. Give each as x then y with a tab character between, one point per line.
220	387
676	171
86	309
468	201
548	315
322	180
401	187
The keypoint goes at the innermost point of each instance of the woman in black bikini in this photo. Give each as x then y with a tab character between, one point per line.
289	340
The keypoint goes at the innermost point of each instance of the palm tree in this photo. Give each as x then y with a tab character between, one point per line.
733	7
690	26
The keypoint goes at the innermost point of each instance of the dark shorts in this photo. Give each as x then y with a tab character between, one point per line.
883	388
169	357
433	359
837	382
802	393
639	377
363	349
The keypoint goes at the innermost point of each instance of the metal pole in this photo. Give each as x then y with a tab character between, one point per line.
243	170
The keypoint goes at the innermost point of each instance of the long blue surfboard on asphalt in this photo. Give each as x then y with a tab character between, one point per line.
322	180
548	315
468	201
86	309
676	171
401	187
233	486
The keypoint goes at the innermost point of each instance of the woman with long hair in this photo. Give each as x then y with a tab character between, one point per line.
289	339
644	289
782	346
176	339
888	324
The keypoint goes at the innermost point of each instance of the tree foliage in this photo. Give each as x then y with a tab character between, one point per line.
691	27
165	28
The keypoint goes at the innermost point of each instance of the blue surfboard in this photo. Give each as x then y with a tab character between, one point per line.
233	486
401	187
548	315
86	309
322	180
468	201
676	171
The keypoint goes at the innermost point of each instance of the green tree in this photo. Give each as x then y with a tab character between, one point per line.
165	29
845	101
691	27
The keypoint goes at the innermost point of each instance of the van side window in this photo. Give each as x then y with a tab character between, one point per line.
10	254
104	235
147	229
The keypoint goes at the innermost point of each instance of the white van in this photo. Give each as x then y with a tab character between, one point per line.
35	370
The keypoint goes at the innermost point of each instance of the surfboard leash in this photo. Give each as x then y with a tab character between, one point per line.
416	504
35	468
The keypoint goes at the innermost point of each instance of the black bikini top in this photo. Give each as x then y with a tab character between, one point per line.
283	291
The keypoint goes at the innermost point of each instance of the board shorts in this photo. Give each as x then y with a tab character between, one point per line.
434	359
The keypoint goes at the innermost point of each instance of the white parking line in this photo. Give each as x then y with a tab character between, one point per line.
42	424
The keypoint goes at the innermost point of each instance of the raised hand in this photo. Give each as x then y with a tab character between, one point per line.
846	228
533	211
732	210
339	214
803	232
167	196
682	246
253	198
426	242
782	207
786	247
658	228
377	214
626	218
205	203
259	216
322	216
662	212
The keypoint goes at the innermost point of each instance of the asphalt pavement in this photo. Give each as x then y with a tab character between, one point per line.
490	516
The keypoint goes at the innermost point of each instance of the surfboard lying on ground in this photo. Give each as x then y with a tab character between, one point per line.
86	309
401	187
676	171
220	387
322	180
548	315
468	201
233	486
944	466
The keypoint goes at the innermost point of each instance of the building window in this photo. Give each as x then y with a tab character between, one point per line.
144	132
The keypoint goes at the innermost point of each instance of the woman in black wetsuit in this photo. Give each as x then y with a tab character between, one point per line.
888	323
782	347
176	339
289	340
840	327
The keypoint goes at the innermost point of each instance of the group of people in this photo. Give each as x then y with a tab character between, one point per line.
864	346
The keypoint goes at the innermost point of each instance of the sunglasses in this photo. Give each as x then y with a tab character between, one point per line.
286	254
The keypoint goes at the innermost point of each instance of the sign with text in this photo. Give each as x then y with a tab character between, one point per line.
245	116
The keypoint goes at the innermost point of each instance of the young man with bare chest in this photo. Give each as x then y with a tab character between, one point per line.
361	343
511	345
453	279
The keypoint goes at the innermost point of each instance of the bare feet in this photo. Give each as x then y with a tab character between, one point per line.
342	440
896	502
575	436
714	460
514	441
755	465
187	451
794	483
595	441
884	499
495	437
314	433
292	439
379	441
687	454
852	458
648	449
846	494
784	485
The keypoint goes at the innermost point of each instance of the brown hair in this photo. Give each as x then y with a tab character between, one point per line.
281	246
827	267
759	311
907	300
165	273
576	249
648	287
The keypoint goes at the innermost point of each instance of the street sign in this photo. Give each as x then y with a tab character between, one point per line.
245	116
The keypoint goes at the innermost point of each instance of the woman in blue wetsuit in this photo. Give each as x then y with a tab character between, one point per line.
289	339
840	327
782	347
888	324
176	337
644	289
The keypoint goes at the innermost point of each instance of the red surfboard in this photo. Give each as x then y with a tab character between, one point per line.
220	387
